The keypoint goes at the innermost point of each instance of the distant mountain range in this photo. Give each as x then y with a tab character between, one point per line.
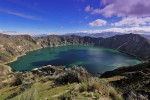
96	35
40	35
103	34
83	34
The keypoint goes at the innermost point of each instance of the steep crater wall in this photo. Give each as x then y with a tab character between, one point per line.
12	47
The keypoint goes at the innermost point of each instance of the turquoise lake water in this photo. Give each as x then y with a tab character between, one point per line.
94	59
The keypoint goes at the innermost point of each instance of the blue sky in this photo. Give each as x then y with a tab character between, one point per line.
65	16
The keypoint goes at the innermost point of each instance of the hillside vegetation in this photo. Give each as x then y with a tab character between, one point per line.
56	83
136	81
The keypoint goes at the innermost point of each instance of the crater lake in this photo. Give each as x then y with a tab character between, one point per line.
93	59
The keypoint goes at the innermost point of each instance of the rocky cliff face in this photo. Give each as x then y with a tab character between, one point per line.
14	46
129	43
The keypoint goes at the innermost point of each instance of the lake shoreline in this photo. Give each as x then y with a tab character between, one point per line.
16	58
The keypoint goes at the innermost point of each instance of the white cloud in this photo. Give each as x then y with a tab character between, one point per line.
98	22
88	8
136	30
133	21
123	8
19	14
31	33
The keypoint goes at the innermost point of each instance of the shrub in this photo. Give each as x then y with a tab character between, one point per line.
95	86
87	94
70	95
28	95
2	85
11	96
25	86
69	77
114	95
18	80
83	86
74	74
97	96
90	85
65	97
